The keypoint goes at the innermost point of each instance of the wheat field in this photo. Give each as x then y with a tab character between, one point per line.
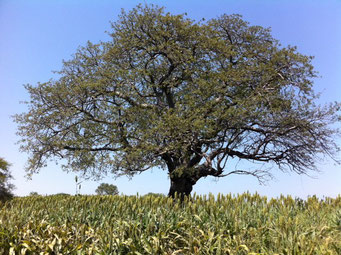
154	224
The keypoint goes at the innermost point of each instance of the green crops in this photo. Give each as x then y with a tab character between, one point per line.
225	224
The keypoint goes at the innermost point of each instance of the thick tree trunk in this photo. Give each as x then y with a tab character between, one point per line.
182	186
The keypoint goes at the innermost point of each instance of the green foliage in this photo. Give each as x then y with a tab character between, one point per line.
107	189
243	224
62	194
34	193
182	95
5	187
155	194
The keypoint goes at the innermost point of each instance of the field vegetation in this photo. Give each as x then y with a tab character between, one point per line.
155	224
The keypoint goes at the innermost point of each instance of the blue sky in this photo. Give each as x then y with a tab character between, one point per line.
36	35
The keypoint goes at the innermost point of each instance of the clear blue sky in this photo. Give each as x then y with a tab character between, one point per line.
35	35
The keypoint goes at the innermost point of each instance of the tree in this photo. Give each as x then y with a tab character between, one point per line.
185	96
34	194
62	194
106	189
5	187
155	194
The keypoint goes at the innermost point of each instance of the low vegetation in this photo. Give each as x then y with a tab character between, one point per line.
225	224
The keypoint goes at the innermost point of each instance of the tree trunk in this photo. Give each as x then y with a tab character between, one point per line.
182	186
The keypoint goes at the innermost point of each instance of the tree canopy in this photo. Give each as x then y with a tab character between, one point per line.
106	189
167	91
5	187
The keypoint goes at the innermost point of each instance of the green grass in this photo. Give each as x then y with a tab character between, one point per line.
244	224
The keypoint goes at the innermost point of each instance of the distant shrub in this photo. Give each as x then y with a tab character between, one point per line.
5	175
62	194
155	194
106	189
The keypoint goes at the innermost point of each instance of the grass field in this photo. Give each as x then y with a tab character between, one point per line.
225	224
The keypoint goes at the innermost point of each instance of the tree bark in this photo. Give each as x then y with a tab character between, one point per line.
182	186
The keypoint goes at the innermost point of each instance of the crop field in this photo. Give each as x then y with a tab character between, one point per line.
225	224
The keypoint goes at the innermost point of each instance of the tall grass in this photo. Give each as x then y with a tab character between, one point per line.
225	224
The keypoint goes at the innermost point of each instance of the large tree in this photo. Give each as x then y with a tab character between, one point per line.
182	95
